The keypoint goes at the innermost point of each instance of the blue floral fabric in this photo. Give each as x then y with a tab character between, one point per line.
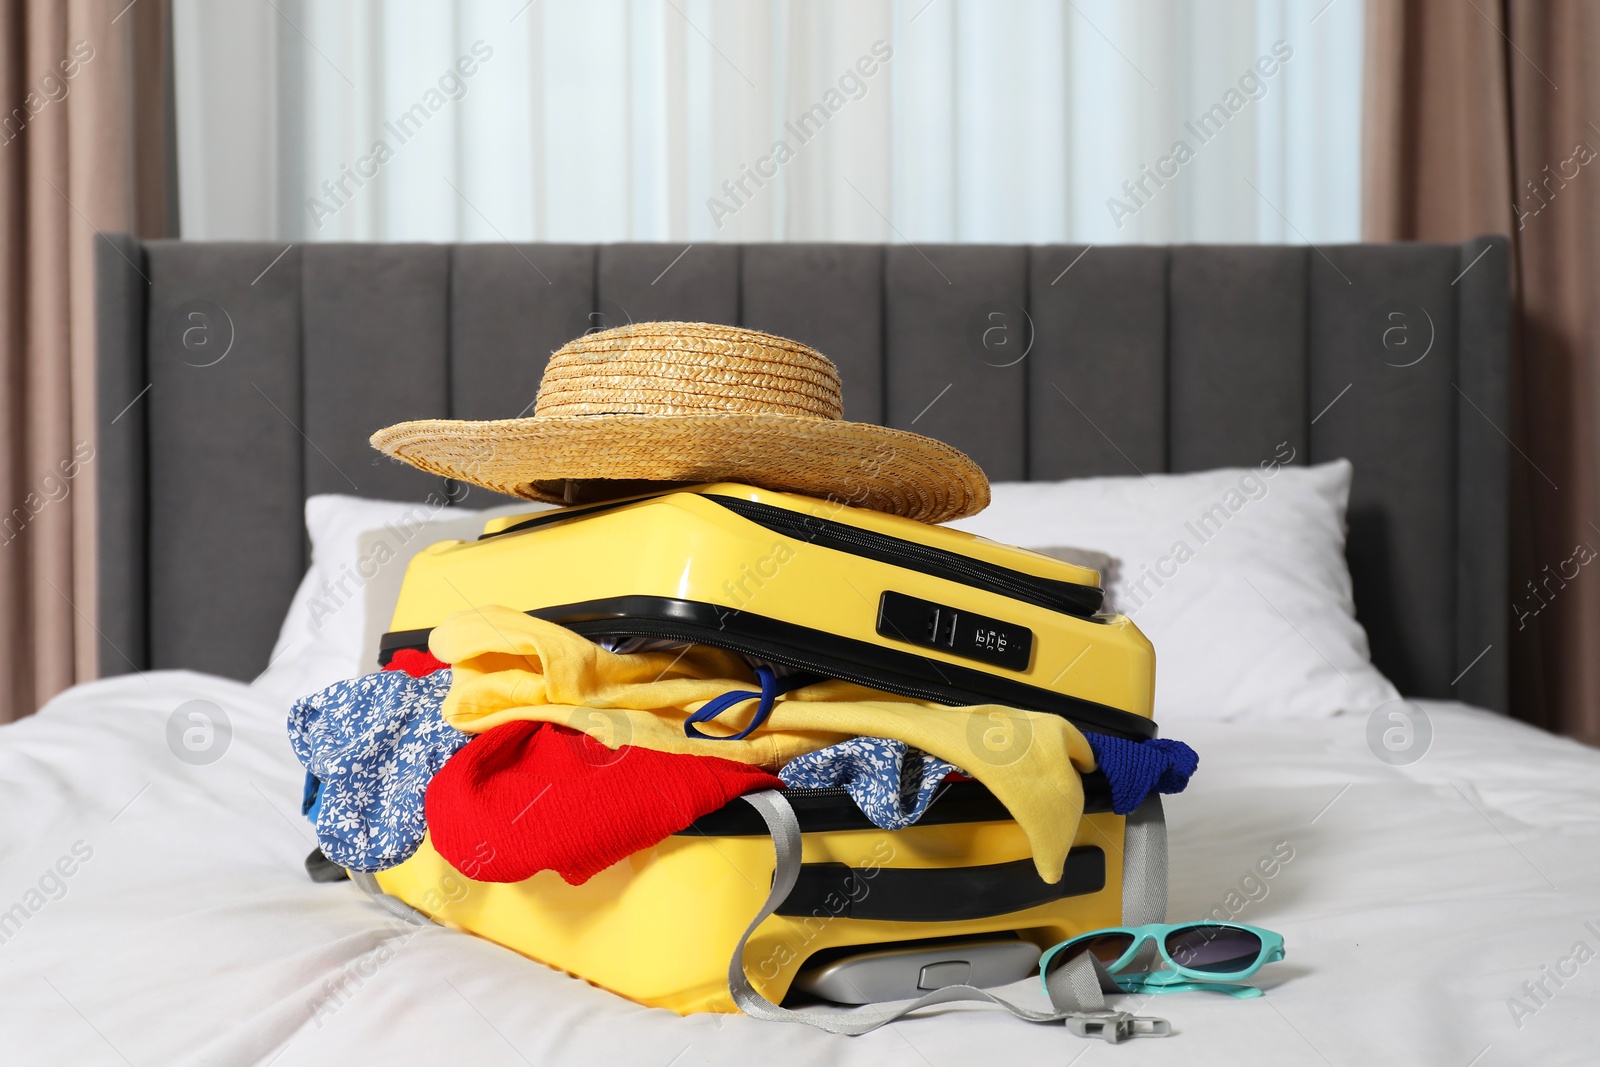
891	782
373	744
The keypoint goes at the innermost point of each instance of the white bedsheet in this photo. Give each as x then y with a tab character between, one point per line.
1418	902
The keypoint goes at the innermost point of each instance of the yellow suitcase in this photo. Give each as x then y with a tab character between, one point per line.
886	602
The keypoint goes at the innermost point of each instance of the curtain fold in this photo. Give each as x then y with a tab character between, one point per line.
83	147
661	120
1481	117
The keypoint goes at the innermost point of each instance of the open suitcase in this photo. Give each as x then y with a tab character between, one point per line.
886	602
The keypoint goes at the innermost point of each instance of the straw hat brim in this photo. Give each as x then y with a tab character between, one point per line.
854	463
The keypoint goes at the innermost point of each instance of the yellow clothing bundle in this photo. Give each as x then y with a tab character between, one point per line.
509	666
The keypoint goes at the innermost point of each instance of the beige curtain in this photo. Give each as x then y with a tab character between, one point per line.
83	147
1484	116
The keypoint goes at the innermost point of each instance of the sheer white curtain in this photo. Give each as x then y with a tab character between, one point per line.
727	120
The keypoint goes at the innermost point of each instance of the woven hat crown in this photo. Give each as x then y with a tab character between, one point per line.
628	411
688	368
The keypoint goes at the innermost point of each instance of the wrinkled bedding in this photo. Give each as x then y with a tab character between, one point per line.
154	910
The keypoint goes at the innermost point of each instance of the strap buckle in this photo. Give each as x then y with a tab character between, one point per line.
1116	1026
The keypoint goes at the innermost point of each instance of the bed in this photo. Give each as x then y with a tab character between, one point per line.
155	908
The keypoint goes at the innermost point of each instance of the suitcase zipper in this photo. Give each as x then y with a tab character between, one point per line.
1066	597
1084	714
696	622
832	808
819	792
563	514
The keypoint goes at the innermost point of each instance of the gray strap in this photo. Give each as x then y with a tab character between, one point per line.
1144	865
1077	990
393	905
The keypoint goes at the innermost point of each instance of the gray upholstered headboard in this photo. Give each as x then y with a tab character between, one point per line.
237	379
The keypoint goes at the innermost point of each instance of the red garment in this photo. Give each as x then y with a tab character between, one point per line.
533	796
415	662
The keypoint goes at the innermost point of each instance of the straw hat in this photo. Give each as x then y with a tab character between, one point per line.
691	402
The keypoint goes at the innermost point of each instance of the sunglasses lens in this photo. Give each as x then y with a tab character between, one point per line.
1218	949
1108	948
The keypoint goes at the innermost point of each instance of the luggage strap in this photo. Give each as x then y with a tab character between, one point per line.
1077	989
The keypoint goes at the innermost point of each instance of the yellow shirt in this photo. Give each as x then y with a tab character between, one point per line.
510	666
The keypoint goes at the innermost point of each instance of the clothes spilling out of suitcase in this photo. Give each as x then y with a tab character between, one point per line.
575	708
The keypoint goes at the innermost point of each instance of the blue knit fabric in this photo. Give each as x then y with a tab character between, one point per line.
1134	768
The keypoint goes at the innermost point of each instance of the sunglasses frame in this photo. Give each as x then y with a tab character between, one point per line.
1271	949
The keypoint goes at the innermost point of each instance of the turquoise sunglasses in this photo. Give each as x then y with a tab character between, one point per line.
1203	955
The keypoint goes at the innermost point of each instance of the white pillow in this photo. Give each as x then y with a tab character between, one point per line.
1238	577
1102	563
359	552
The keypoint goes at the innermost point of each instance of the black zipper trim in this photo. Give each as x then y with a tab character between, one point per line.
827	810
563	514
905	673
940	894
1067	597
817	791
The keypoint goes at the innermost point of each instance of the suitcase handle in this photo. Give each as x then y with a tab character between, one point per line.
1077	989
938	895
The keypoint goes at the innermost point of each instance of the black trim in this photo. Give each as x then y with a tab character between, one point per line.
1067	597
562	514
938	894
847	659
396	640
827	810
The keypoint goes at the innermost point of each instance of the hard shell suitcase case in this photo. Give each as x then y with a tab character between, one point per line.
886	602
